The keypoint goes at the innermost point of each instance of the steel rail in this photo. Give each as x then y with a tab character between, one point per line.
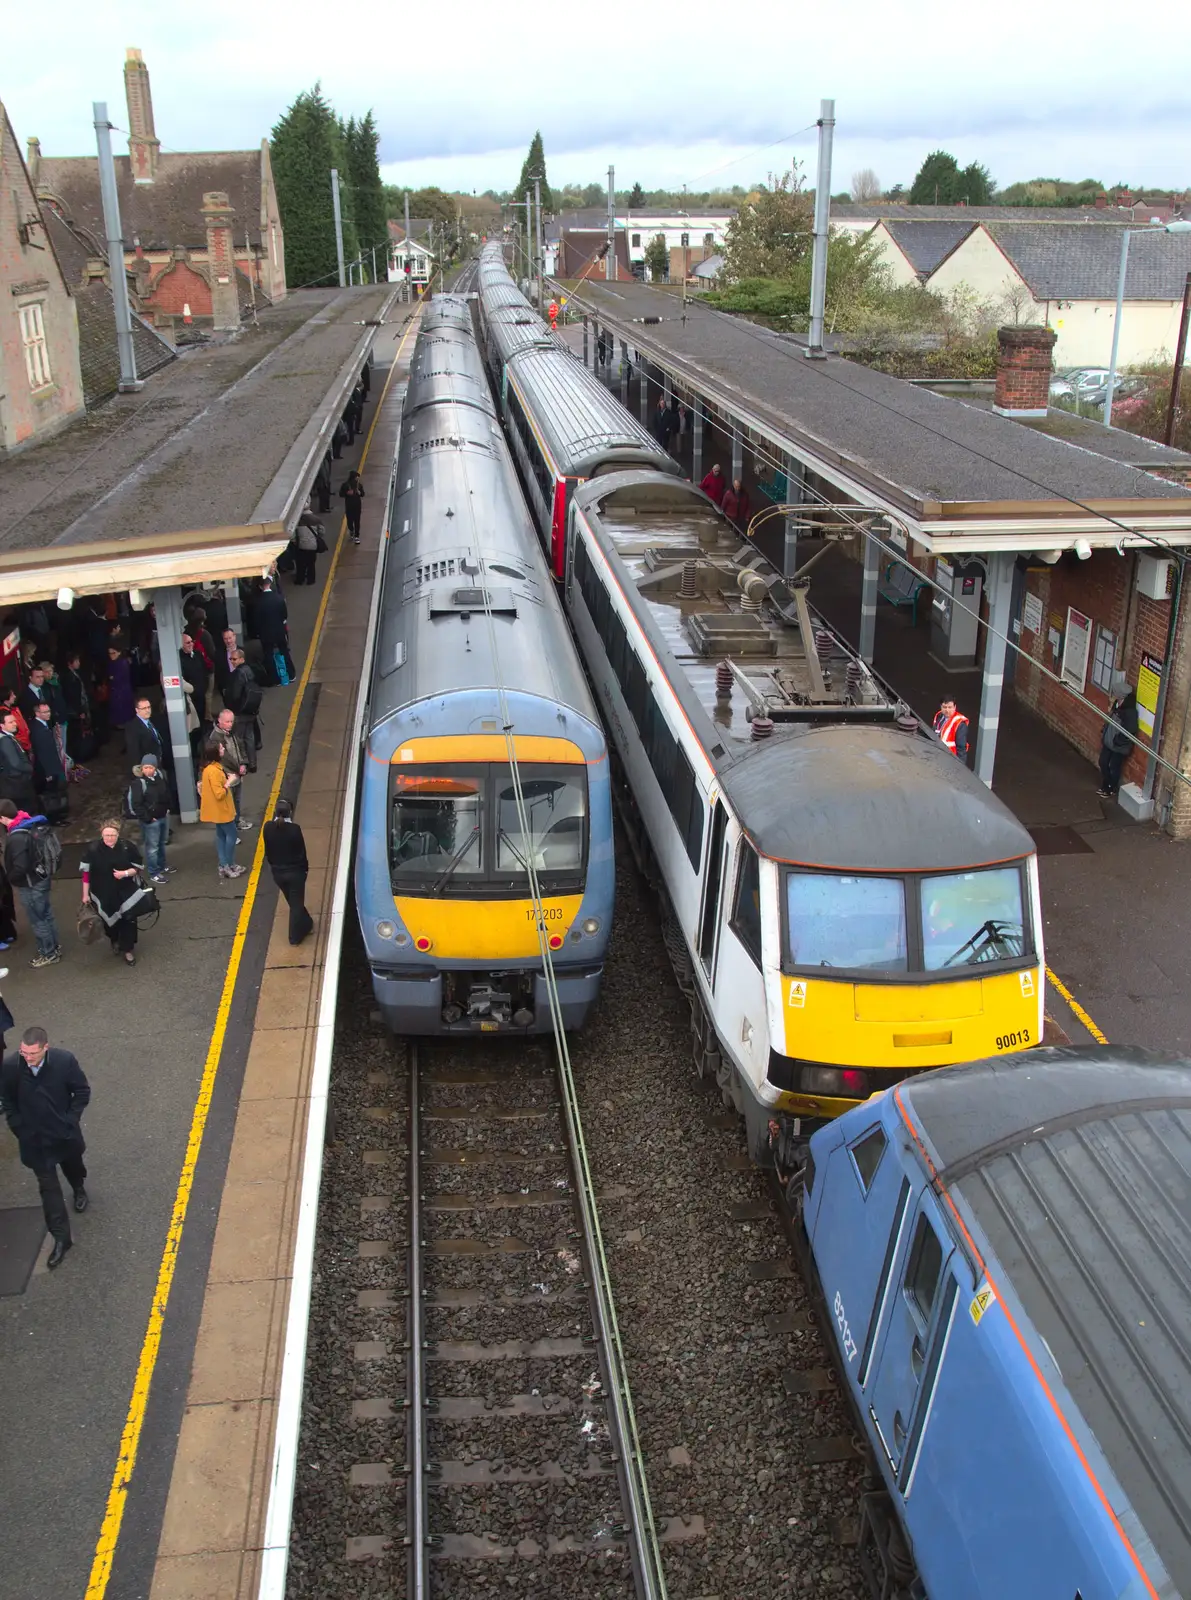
415	1390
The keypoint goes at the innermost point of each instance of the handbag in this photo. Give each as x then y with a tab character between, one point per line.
89	925
320	541
148	905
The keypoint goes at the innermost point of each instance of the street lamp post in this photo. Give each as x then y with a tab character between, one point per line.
1126	235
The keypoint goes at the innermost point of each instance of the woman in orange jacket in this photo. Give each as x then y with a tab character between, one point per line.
217	805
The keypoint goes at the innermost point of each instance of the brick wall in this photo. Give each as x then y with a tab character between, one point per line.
1102	588
180	284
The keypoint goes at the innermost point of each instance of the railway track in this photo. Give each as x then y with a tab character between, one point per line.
745	1439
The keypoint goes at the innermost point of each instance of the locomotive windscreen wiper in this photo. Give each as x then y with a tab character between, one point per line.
444	876
1001	938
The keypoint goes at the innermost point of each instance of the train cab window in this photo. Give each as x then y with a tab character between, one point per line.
924	1270
435	831
746	904
972	917
555	831
866	1156
856	923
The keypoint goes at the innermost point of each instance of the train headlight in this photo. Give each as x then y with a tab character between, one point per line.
386	930
402	938
591	925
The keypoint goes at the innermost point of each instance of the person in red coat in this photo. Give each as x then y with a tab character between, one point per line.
714	484
735	504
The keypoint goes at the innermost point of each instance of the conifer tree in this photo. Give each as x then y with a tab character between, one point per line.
534	166
368	192
306	143
636	198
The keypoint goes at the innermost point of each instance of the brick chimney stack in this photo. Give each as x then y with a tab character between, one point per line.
33	160
1023	371
143	143
221	261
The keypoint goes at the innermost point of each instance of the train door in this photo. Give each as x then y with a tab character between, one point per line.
709	915
920	1299
739	984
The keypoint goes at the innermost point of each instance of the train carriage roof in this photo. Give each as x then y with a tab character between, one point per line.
1076	1166
587	430
447	365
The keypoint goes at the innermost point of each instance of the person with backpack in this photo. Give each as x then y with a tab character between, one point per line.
308	542
147	801
32	855
111	872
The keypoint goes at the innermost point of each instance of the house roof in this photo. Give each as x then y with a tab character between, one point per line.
926	245
580	246
711	268
418	228
99	359
876	210
1082	262
168	211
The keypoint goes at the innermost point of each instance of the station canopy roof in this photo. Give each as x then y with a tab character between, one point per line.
958	478
154	561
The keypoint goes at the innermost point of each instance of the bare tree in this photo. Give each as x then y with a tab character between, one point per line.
866	185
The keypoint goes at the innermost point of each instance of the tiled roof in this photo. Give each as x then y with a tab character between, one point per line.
1083	262
419	227
926	245
168	211
877	210
99	360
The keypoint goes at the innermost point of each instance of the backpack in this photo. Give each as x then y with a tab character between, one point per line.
127	809
46	851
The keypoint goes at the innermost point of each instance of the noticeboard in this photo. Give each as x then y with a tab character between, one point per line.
1031	613
1077	647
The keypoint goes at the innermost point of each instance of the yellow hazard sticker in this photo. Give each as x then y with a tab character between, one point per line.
981	1300
798	994
1026	979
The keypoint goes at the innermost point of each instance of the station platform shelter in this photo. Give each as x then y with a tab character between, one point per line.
1047	554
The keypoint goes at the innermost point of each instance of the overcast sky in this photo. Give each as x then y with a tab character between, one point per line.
669	94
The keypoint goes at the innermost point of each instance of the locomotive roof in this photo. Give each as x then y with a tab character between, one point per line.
870	797
1076	1164
587	430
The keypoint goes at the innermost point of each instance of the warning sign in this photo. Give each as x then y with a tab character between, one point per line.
1026	979
798	994
981	1300
1149	681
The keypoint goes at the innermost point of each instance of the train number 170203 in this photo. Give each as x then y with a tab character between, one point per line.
549	914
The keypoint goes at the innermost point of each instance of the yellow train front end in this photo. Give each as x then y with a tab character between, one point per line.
874	977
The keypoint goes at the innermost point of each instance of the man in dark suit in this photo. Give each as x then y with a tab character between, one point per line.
142	738
16	769
49	775
270	618
33	694
43	1093
242	696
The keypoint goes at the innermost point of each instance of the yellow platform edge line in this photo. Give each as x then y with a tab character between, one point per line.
1079	1011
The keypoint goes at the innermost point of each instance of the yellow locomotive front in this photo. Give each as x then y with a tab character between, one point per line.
885	974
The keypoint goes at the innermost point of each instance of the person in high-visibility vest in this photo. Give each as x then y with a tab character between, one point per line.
951	728
552	313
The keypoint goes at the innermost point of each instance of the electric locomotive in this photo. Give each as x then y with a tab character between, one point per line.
474	670
563	425
1004	1250
846	902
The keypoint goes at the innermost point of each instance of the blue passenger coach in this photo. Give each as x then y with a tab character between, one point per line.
1004	1249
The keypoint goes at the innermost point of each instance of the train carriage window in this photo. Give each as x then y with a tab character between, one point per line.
687	807
972	917
636	689
599	613
746	904
923	1272
582	565
660	747
866	1156
617	645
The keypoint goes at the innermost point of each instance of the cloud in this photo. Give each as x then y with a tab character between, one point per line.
664	94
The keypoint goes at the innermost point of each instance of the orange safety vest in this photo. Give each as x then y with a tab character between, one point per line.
552	313
947	730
